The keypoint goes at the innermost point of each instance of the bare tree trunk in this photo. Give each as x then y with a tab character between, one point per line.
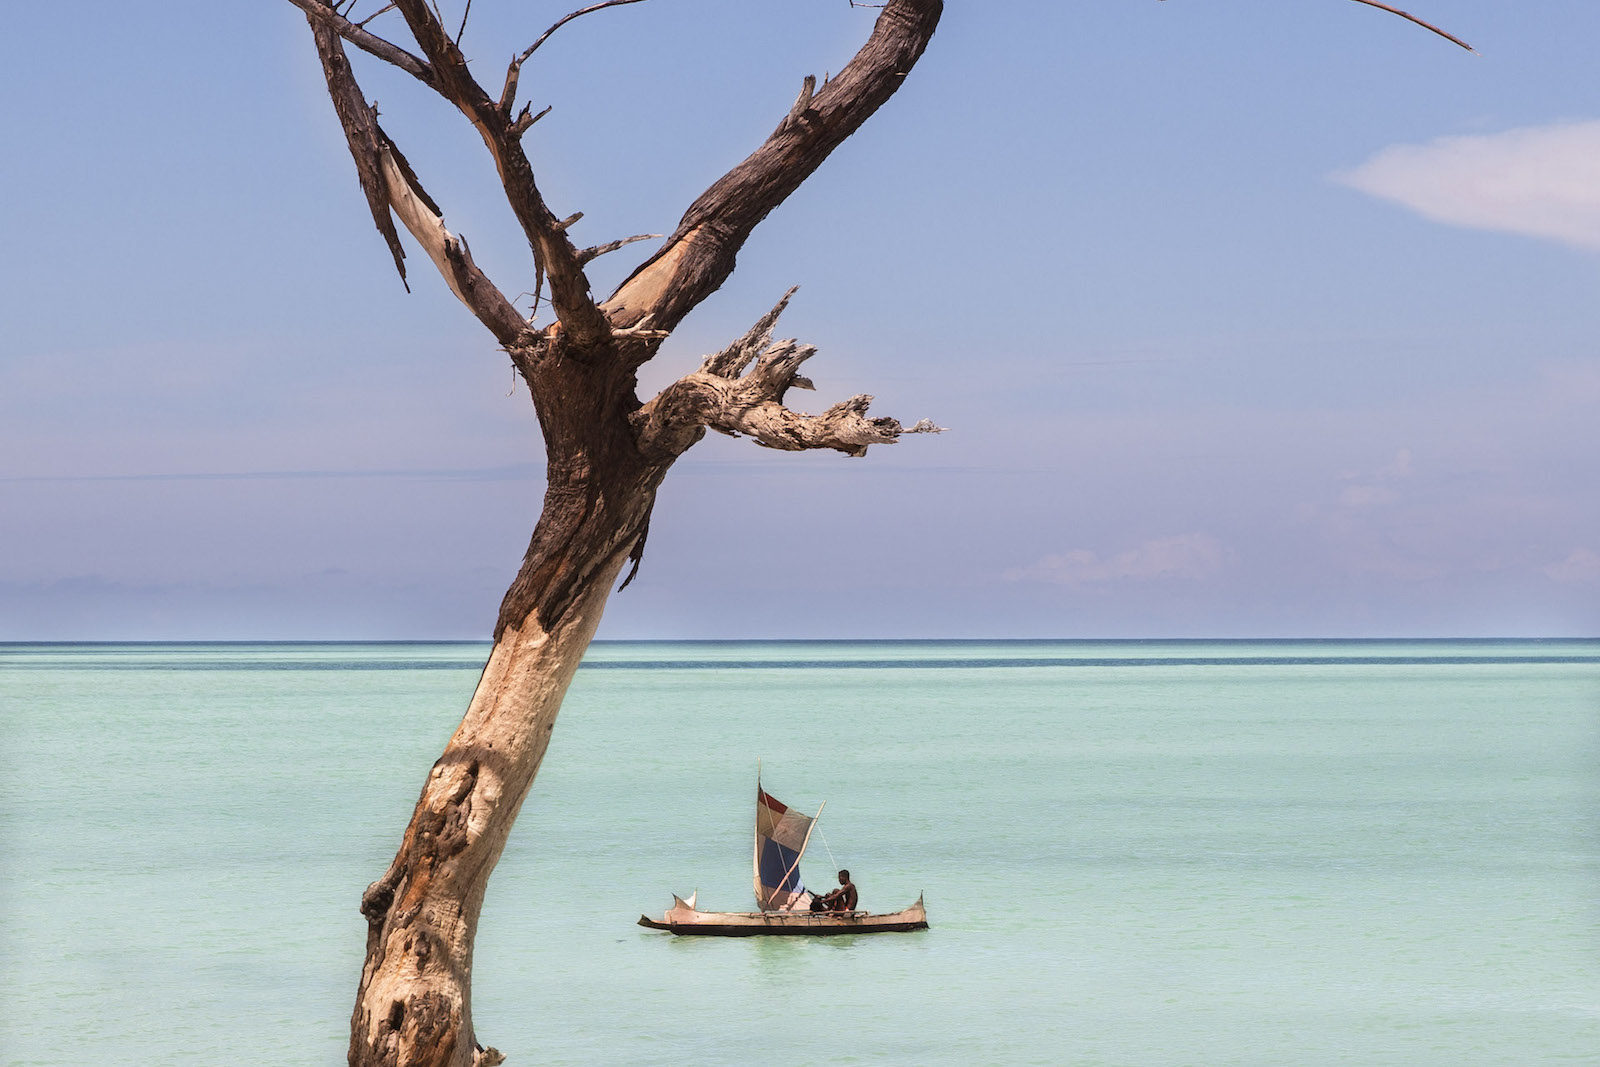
414	1004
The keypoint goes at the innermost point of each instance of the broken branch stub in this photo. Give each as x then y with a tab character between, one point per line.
732	360
724	396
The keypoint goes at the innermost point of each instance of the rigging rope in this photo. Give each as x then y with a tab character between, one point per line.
830	851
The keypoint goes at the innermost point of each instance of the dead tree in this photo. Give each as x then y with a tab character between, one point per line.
606	453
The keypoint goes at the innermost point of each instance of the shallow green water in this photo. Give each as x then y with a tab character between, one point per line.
1132	853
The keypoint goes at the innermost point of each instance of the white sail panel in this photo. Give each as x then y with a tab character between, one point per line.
781	835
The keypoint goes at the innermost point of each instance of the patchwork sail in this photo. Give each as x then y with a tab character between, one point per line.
781	837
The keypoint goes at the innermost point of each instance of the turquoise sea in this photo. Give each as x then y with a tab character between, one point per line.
1132	852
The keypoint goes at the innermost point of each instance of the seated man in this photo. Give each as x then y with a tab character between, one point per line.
842	899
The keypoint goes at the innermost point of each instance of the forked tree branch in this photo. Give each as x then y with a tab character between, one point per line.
321	13
554	253
701	253
390	185
449	252
725	396
526	118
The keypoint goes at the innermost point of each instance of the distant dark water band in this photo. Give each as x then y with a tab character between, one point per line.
207	663
982	663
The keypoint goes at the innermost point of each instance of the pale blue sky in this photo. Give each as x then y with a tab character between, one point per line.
1247	318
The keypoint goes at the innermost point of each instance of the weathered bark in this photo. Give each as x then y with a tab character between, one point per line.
414	1005
700	254
722	396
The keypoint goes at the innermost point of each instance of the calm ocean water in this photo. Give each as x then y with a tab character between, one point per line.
1132	852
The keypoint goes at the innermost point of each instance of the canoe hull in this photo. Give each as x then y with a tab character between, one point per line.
685	920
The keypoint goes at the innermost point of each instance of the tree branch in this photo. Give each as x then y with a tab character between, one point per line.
1403	14
1425	25
526	118
545	36
385	8
389	183
701	252
449	252
508	95
554	253
321	13
595	251
361	134
723	396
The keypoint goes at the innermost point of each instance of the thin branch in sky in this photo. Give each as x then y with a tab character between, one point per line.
1425	25
545	36
514	71
1408	16
375	14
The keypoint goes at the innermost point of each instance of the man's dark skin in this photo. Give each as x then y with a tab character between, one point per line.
842	899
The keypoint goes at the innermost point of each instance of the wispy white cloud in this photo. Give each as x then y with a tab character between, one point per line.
1540	181
1190	555
1374	526
1360	497
1398	467
1377	488
1581	565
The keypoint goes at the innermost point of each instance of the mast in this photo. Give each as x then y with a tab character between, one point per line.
755	851
805	841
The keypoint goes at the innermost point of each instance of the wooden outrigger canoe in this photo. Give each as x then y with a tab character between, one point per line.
683	918
781	837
